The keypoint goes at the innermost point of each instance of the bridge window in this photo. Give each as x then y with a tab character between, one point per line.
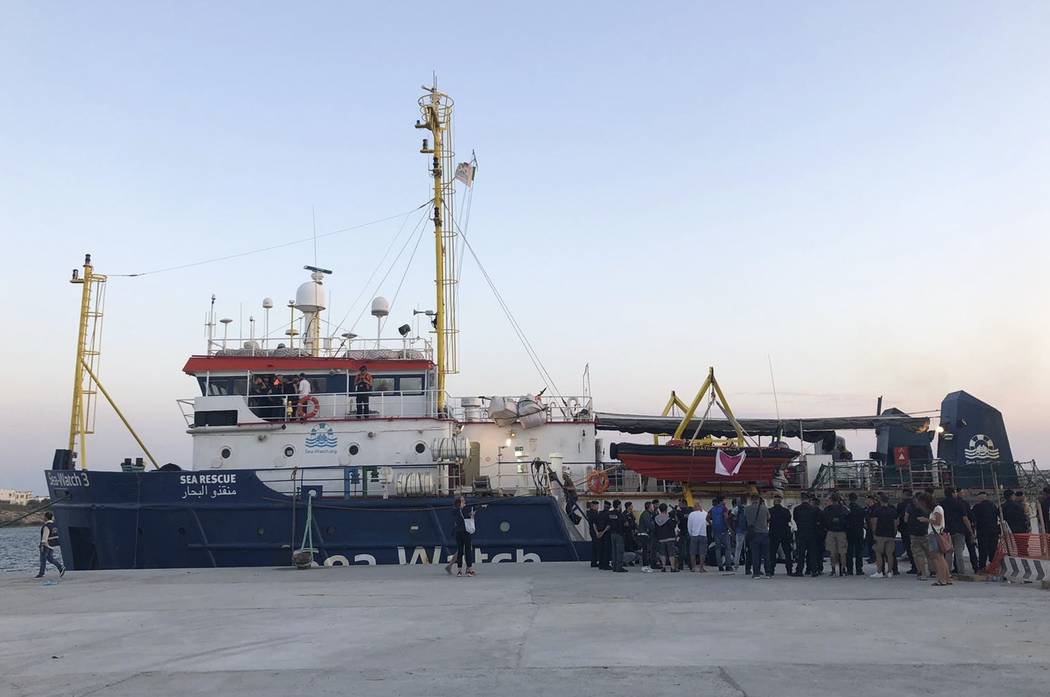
410	384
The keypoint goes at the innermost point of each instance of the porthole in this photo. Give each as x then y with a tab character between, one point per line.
421	448
289	451
260	531
354	449
225	453
504	526
182	531
329	530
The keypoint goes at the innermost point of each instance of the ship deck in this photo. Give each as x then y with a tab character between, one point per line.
514	630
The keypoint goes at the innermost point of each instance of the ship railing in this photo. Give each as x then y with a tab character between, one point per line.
348	404
359	348
364	480
871	475
568	408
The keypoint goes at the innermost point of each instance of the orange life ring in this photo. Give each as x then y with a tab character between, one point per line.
309	413
597	482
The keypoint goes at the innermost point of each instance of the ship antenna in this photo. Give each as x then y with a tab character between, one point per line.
313	215
436	110
772	382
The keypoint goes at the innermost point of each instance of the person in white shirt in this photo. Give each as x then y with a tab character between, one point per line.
303	391
697	525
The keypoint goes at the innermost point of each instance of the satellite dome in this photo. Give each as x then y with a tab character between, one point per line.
310	297
267	303
380	307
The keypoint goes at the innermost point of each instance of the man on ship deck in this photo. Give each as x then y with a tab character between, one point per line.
303	392
362	388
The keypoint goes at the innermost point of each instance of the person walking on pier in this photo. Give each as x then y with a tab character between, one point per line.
48	541
720	532
757	517
986	521
939	547
740	535
1015	513
836	518
665	536
807	541
958	526
1044	509
856	521
697	524
604	538
592	529
917	522
903	507
883	524
615	529
465	526
681	515
645	531
779	535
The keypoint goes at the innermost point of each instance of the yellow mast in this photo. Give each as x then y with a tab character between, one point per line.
78	418
436	109
86	385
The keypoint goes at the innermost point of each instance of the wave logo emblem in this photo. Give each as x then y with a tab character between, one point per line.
981	447
322	439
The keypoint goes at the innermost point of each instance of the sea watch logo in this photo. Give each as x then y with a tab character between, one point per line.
981	448
321	440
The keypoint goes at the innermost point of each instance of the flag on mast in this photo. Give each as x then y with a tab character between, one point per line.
465	171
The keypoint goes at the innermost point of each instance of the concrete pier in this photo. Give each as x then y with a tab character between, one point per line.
551	629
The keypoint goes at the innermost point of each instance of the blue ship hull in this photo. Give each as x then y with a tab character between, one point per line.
185	519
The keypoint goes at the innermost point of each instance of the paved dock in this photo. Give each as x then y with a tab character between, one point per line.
543	629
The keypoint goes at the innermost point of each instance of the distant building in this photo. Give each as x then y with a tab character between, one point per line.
21	498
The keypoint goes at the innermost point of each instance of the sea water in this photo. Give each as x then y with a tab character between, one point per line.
19	549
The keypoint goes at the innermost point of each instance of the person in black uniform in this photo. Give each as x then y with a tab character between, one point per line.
682	520
592	529
807	538
615	529
856	522
779	534
1015	514
985	517
971	533
1044	507
630	529
604	538
903	509
871	503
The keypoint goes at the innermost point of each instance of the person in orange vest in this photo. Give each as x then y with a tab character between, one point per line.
362	386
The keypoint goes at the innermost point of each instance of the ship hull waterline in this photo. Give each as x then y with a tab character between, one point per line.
141	520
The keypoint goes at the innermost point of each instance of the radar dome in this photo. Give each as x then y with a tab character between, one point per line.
380	307
310	297
267	303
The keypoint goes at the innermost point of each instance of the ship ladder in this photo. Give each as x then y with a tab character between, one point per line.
304	556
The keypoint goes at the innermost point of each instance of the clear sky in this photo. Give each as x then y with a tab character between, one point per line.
860	191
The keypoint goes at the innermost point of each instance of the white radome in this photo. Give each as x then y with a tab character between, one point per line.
380	307
310	297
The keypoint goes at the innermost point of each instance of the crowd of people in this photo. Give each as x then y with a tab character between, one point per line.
937	535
